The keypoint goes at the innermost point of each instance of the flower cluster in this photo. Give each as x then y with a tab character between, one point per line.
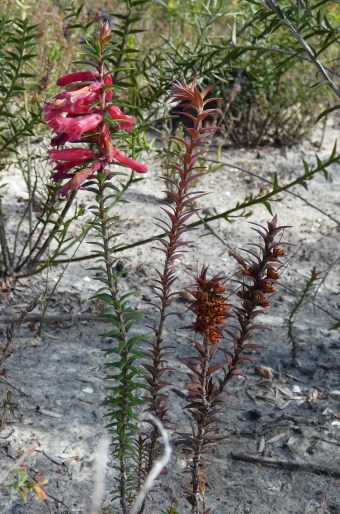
210	307
261	284
259	274
83	113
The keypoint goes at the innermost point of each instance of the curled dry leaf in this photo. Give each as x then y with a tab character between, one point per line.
265	371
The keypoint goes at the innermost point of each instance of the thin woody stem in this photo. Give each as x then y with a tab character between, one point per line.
196	462
124	354
207	219
176	228
310	52
171	240
31	261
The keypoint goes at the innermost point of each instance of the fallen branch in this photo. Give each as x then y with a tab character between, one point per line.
38	316
286	464
226	215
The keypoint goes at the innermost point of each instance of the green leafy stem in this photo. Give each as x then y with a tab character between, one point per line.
122	399
248	202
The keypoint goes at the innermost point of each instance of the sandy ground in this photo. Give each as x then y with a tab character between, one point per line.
57	378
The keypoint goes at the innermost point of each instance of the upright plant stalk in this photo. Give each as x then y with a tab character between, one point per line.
83	113
257	277
211	310
205	397
17	42
122	400
187	170
303	295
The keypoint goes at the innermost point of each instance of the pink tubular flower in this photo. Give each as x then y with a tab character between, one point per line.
66	166
108	82
79	115
107	153
75	127
127	161
124	120
78	76
79	92
112	154
76	181
73	102
71	155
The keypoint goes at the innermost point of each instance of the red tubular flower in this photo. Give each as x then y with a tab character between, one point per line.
75	155
66	166
78	115
76	181
73	102
74	128
127	161
112	154
78	76
124	120
108	82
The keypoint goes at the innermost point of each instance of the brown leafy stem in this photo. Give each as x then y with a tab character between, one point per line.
260	269
186	170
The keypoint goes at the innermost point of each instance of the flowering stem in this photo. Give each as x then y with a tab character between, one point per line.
83	113
186	172
258	276
211	312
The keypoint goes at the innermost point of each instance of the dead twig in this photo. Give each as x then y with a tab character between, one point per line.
35	317
328	441
5	381
10	331
157	468
57	501
287	464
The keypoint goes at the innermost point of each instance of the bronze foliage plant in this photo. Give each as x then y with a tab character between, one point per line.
186	168
224	343
222	330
